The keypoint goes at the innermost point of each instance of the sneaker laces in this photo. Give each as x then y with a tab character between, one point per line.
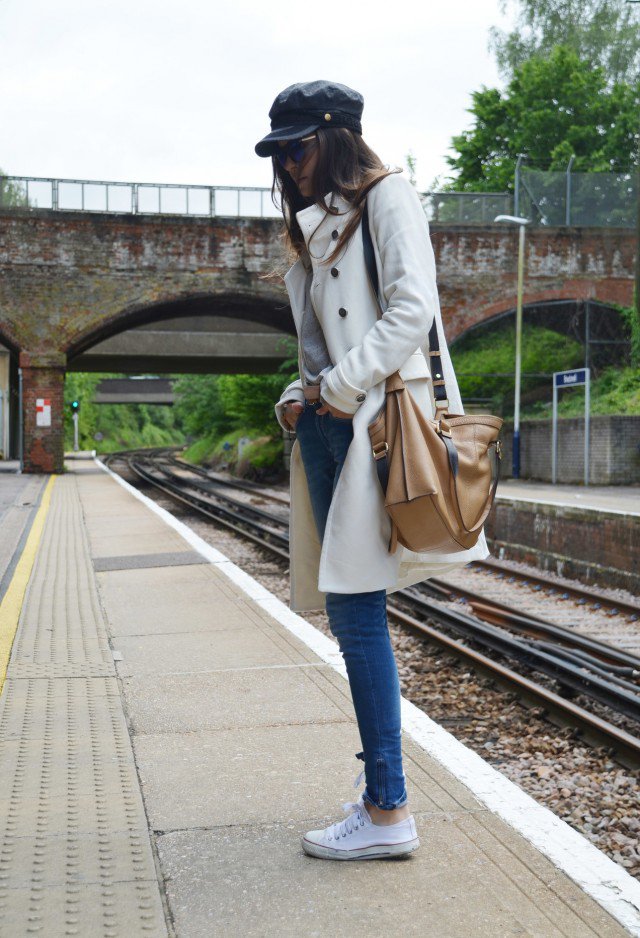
356	818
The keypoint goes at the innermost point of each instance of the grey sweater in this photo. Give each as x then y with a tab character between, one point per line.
314	353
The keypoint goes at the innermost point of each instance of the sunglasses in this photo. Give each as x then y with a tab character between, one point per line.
295	149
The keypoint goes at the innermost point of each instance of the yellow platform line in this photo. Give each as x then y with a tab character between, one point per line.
11	605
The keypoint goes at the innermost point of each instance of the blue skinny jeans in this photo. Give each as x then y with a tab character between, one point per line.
358	621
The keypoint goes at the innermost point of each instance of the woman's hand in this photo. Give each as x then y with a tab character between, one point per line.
328	409
291	412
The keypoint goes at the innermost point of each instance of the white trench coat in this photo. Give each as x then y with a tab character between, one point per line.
366	348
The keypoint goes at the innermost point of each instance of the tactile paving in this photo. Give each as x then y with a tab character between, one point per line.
75	853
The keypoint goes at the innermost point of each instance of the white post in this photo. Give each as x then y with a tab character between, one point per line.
20	422
76	447
554	433
587	417
516	405
516	219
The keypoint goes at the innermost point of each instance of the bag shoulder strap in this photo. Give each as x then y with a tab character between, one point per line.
439	389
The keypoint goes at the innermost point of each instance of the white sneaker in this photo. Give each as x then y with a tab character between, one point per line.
358	838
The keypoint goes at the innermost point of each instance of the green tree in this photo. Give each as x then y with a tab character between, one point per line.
552	108
248	400
212	405
199	405
410	160
81	387
11	193
605	33
121	426
484	360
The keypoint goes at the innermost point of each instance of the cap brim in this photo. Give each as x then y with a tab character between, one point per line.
269	144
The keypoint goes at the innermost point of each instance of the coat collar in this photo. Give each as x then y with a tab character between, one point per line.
313	216
312	219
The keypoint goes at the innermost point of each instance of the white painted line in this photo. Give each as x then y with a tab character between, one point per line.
603	879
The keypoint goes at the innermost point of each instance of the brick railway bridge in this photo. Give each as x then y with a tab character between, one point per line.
105	291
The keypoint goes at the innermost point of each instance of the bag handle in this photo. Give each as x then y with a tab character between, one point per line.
439	388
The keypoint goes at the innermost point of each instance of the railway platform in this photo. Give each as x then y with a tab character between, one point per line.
619	499
588	533
169	729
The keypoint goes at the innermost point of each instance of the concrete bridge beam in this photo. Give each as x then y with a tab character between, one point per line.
158	351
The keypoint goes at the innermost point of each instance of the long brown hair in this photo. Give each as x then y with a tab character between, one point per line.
346	166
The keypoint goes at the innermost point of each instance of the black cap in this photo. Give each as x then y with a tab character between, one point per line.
302	108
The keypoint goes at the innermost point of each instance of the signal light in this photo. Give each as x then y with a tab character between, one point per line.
75	406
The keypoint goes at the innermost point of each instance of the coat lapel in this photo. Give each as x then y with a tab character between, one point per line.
294	281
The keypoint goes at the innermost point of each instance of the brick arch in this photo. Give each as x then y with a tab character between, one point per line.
246	307
458	323
7	339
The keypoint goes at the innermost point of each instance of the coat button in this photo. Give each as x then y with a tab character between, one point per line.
335	272
335	234
360	397
342	312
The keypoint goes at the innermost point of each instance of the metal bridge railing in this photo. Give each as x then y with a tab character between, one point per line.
547	198
135	198
144	198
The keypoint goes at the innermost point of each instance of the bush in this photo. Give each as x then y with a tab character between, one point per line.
262	459
480	357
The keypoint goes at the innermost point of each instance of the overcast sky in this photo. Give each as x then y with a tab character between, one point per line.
157	91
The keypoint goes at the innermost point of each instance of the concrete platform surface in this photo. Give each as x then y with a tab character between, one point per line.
614	498
165	740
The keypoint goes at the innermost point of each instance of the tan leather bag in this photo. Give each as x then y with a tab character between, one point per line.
439	477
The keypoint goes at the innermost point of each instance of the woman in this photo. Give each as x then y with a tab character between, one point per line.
324	172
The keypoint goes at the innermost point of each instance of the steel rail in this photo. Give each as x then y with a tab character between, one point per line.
581	594
625	745
619	662
242	484
527	652
501	614
207	490
574	678
214	512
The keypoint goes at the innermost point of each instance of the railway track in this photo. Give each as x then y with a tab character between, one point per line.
576	664
572	594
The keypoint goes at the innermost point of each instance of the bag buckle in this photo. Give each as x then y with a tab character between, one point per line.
442	404
380	450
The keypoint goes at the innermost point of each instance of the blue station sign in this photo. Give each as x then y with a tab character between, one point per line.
563	379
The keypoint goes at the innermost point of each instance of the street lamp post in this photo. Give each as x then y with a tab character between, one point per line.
517	220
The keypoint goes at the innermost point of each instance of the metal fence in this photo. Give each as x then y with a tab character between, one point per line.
135	198
545	197
553	197
466	208
138	198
